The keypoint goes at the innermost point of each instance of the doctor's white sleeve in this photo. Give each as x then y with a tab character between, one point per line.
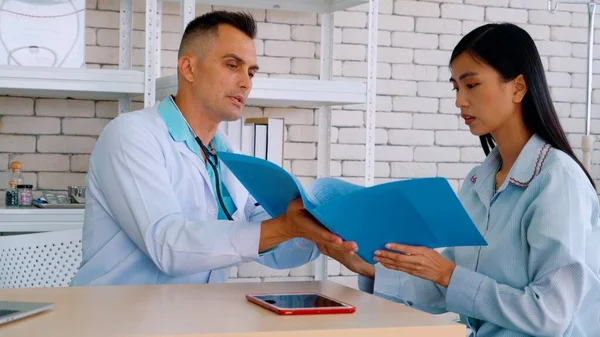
130	169
290	254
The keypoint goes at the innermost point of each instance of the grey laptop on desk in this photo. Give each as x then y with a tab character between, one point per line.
10	311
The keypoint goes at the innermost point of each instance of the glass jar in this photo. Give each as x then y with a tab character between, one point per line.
12	195
50	198
17	176
62	199
25	195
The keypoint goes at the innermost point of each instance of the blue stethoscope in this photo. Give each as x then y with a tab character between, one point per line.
214	163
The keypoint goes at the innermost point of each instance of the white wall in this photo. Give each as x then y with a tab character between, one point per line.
418	129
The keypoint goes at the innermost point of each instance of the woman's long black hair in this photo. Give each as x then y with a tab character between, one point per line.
511	51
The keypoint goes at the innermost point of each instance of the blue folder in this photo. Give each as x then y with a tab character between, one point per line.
418	212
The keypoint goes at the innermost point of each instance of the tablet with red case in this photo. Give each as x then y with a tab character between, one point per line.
300	303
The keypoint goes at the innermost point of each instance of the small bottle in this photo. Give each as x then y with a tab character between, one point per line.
25	195
17	176
12	195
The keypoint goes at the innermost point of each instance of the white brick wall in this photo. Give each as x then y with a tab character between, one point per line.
418	131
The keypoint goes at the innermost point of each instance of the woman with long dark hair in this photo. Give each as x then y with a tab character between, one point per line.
531	198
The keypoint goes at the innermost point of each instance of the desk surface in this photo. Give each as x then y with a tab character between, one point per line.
215	310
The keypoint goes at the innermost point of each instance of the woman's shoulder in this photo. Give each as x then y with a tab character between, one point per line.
559	168
559	163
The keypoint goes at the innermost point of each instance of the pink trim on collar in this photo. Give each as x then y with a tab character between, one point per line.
544	150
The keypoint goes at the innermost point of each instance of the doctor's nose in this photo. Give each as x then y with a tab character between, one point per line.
245	81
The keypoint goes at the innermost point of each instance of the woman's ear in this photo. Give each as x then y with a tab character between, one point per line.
520	89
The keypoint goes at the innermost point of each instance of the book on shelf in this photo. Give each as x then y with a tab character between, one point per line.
261	137
419	212
268	138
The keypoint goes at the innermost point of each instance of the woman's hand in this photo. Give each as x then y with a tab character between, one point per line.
349	259
421	262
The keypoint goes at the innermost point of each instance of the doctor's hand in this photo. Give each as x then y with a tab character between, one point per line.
349	259
299	223
421	262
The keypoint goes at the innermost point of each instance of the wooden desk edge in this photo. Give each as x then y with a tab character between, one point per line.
445	331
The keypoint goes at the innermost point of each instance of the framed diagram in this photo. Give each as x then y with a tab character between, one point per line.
48	33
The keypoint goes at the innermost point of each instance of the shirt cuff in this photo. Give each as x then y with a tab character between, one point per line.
365	284
462	291
379	284
387	281
268	251
246	240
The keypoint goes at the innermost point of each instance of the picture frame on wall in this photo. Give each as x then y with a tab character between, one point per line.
45	33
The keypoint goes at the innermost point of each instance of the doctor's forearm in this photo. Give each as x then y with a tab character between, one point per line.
272	233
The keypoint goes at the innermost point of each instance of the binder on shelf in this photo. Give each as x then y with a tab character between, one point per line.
233	130
261	141
268	138
247	139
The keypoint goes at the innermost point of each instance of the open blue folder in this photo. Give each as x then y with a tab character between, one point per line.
419	212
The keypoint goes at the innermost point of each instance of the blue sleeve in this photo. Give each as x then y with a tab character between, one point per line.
407	289
557	222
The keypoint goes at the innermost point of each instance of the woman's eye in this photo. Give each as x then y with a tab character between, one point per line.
471	86
251	75
232	66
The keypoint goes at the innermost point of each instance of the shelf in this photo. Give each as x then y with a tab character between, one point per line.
97	84
39	220
282	92
318	6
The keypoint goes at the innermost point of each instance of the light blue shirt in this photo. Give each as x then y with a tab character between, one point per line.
540	273
151	213
179	131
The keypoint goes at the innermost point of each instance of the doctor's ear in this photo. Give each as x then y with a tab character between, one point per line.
186	67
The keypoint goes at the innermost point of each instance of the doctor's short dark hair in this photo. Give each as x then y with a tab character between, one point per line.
209	23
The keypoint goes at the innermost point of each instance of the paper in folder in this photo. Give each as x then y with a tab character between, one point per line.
419	212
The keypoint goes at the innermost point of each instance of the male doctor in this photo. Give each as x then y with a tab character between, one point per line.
160	207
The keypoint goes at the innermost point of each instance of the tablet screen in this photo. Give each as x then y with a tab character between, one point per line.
299	301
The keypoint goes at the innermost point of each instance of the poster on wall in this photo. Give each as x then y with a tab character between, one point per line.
45	33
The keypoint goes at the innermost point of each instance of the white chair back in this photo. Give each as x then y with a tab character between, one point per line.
48	259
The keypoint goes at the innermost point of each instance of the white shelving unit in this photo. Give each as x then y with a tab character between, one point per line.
97	84
124	84
316	6
281	92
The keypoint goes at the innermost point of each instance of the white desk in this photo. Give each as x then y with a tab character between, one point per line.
35	219
215	310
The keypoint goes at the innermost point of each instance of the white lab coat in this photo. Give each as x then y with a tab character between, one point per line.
151	214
